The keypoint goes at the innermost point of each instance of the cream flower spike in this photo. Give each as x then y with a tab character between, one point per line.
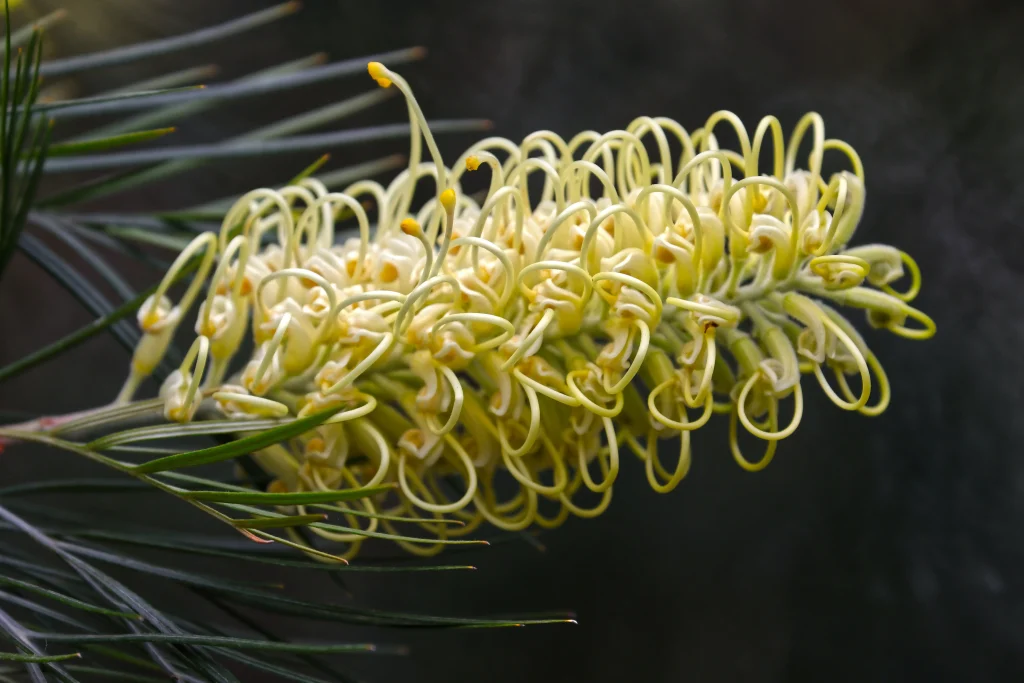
523	343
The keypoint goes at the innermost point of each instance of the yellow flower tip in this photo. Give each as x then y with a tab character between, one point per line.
378	72
411	227
388	272
448	200
151	318
472	163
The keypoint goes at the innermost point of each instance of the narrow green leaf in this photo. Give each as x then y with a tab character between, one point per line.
208	641
112	675
36	608
7	165
112	414
84	485
225	486
189	76
238	447
20	636
35	569
281	522
62	231
298	143
18	181
22	35
357	531
36	659
157	118
265	632
285	674
250	552
310	170
277	603
162	46
248	88
103	144
78	286
63	599
350	174
120	597
84	103
170	431
175	243
95	327
300	498
122	656
176	113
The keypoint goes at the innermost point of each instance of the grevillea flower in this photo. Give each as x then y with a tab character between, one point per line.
524	346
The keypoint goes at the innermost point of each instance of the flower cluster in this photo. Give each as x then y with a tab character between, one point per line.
522	346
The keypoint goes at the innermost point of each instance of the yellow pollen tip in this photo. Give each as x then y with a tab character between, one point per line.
411	227
665	255
388	272
448	200
379	74
472	163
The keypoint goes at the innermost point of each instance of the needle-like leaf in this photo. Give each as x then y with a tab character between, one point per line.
238	447
75	338
167	45
103	144
63	599
36	659
247	88
298	143
211	641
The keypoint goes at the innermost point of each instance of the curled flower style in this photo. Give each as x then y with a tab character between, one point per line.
494	360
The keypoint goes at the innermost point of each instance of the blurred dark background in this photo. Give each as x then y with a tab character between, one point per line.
886	549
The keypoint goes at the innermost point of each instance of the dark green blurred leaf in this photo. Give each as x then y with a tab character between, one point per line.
75	338
103	144
298	498
132	53
298	143
282	522
211	641
38	659
61	598
85	103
